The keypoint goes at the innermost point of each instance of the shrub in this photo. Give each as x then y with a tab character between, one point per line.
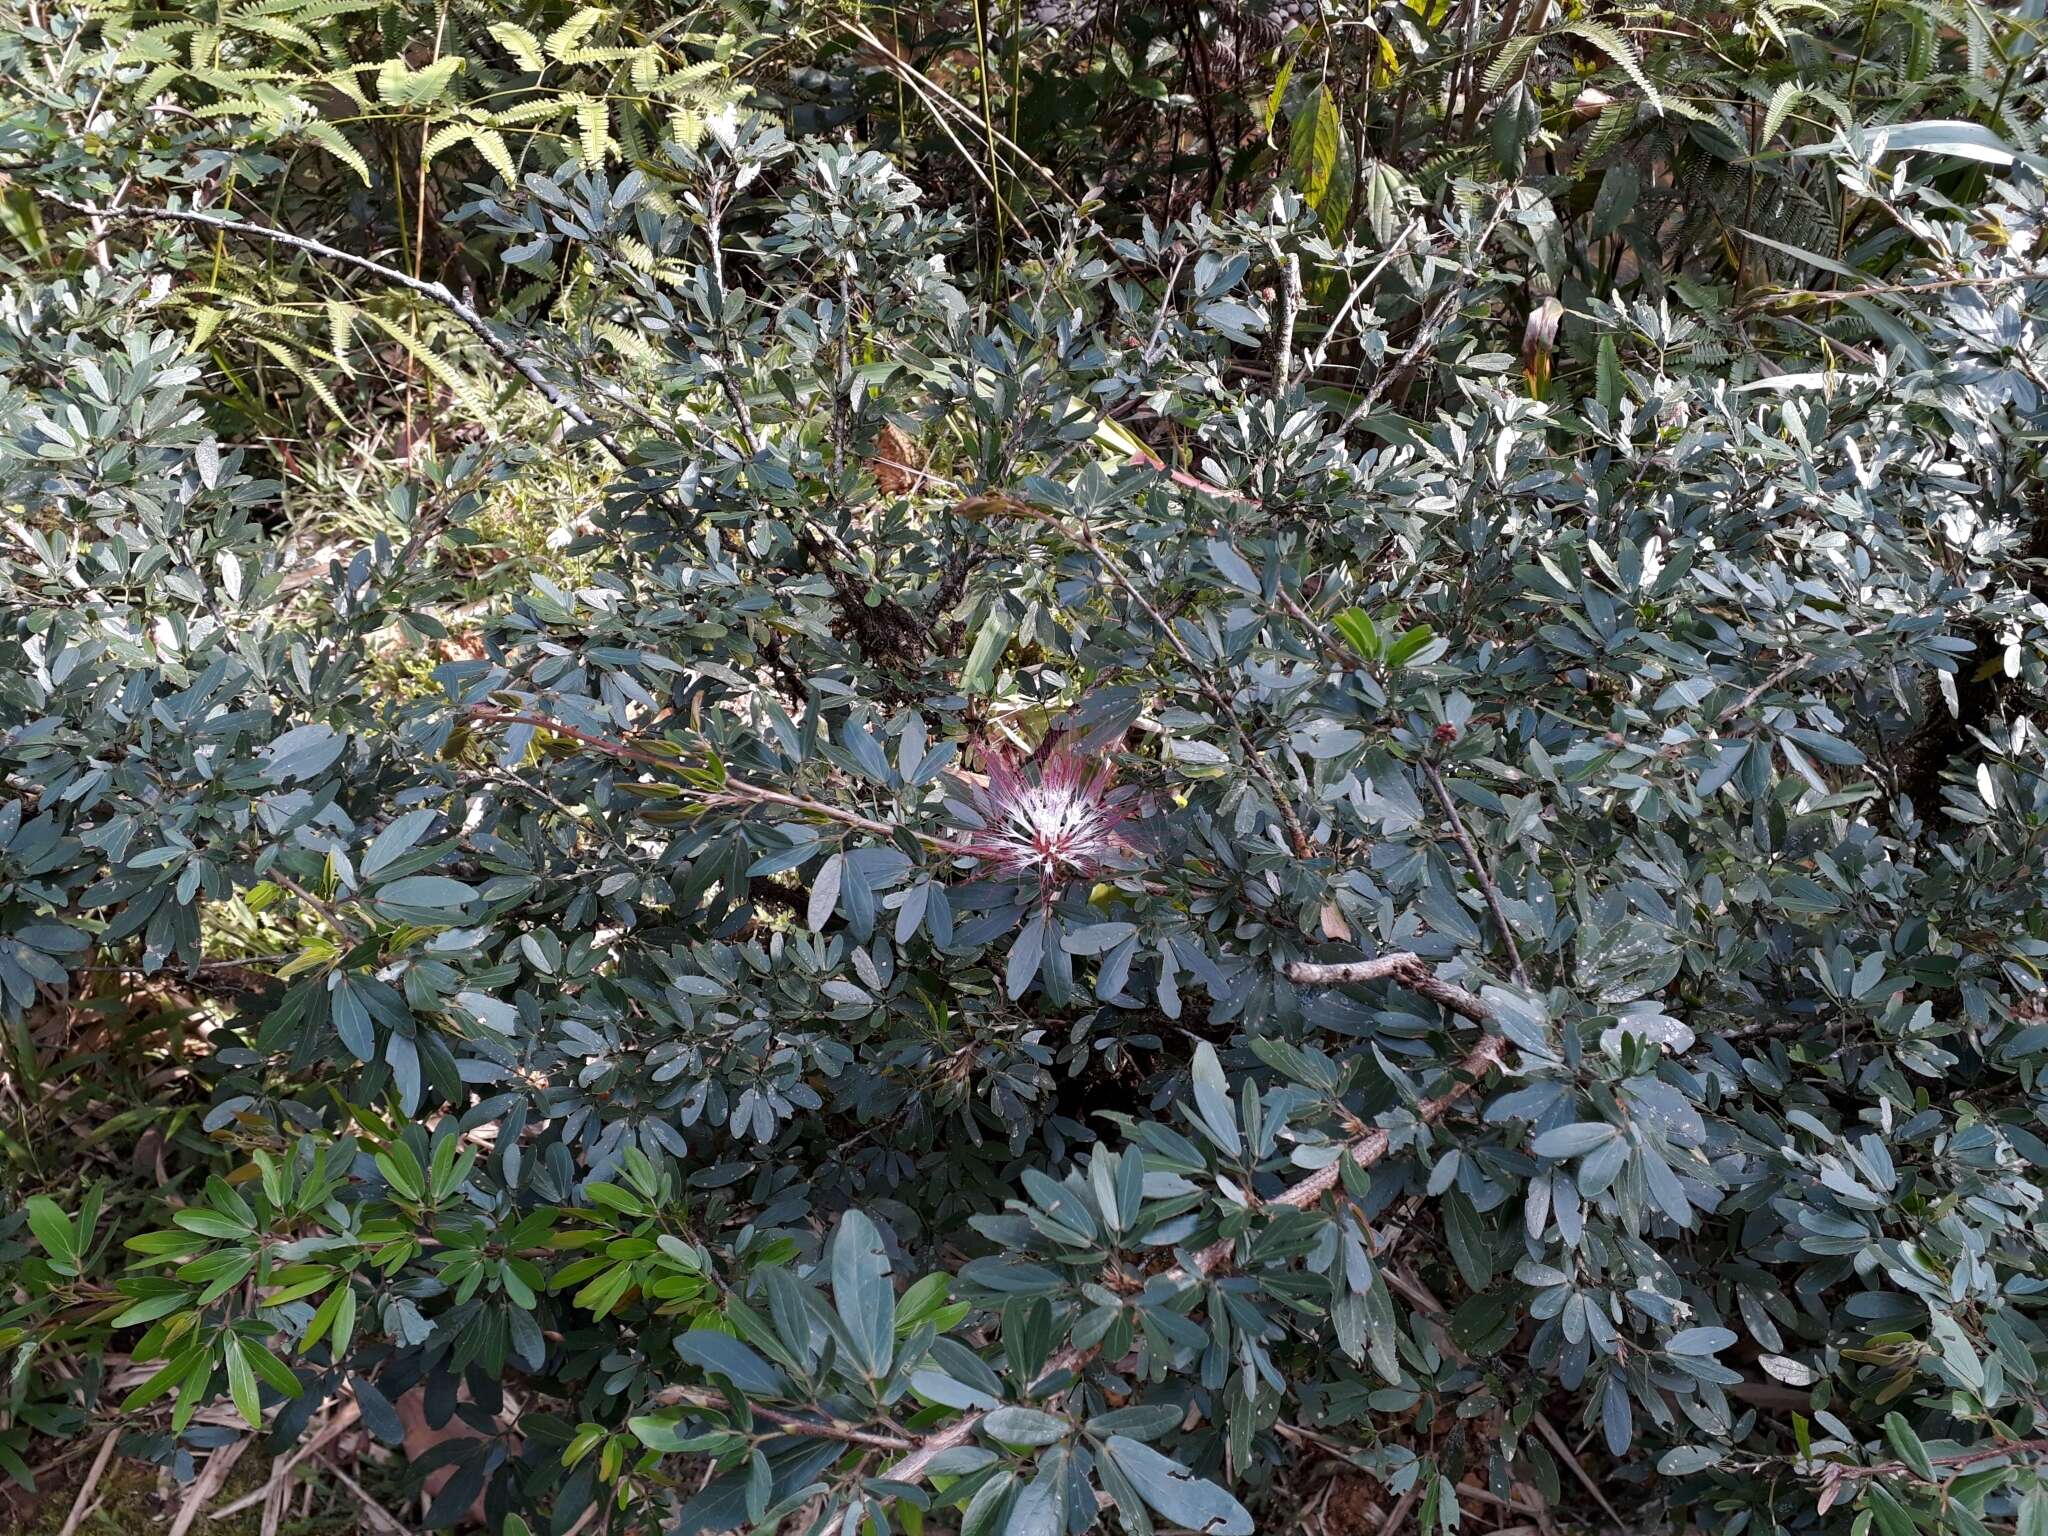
975	964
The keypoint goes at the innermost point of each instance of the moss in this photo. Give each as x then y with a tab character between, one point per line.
128	1504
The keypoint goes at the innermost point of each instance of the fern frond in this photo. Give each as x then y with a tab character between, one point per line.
330	138
612	55
1783	100
1621	51
593	131
521	44
310	377
490	143
570	34
1608	128
1508	62
461	386
341	332
627	342
532	111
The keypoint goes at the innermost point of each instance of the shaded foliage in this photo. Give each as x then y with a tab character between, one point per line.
1134	837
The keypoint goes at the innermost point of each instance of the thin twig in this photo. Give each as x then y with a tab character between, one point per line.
1558	1443
1165	307
209	1481
1840	1471
1479	872
282	1470
789	1423
730	792
1319	353
1420	1294
371	1507
920	82
714	237
1873	291
1426	333
1411	971
1741	705
92	1481
320	908
1401	1507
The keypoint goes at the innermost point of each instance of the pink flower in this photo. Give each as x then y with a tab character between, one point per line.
1048	822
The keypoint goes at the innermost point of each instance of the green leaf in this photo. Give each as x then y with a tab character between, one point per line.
1700	1341
1907	1447
53	1230
1811	258
396	840
1359	632
1573	1140
1515	120
1607	382
1212	1101
989	645
861	1292
1404	650
520	43
720	1354
425	898
212	1223
1176	1493
663	1432
1955	137
1013	1425
1890	1515
1470	1239
1619	188
825	887
1277	95
242	1382
1233	566
925	1301
402	1171
1315	141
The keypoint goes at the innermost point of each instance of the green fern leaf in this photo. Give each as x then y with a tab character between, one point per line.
329	138
401	86
532	111
1508	62
1622	51
441	138
1614	120
521	44
593	131
341	332
463	388
1783	100
491	145
565	38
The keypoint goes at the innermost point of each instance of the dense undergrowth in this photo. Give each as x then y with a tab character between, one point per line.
1006	768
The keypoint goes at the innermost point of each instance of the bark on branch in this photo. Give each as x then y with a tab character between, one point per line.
730	792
